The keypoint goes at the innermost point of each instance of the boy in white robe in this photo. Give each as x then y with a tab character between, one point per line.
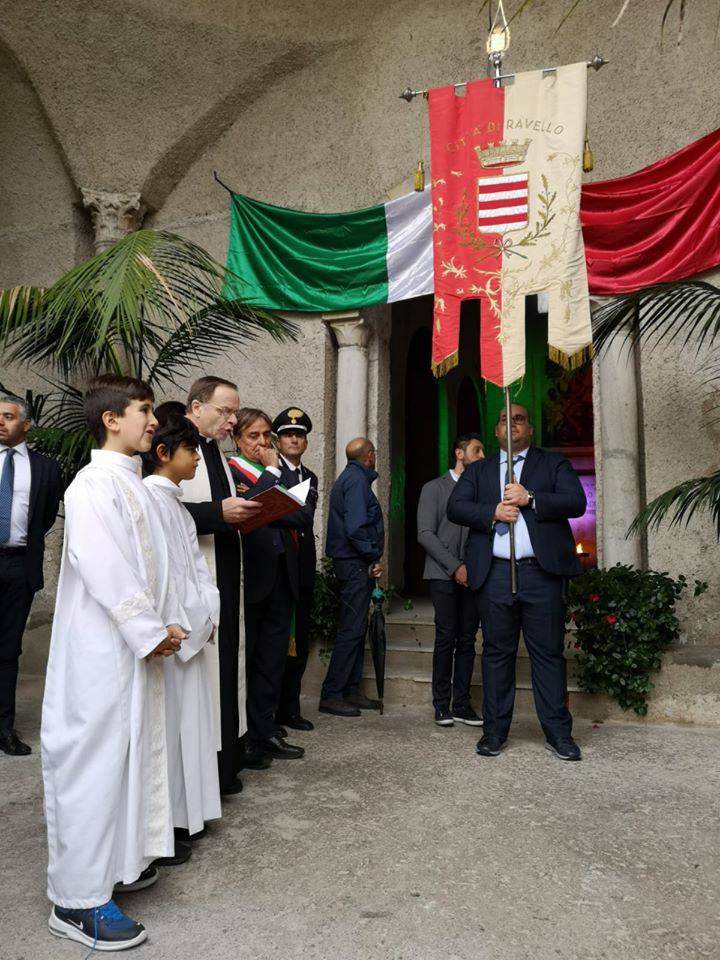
189	709
104	758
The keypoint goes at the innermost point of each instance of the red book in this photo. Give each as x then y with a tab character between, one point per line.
276	502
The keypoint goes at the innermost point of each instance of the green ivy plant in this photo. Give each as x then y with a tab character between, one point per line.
325	614
623	620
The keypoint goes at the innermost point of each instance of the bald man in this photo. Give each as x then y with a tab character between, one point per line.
355	544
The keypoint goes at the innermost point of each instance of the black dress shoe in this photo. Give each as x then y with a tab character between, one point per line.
183	852
184	836
253	759
565	749
147	878
11	744
362	702
338	708
296	722
490	746
231	787
281	749
280	731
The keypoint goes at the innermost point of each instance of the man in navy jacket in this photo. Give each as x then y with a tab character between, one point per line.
543	493
355	542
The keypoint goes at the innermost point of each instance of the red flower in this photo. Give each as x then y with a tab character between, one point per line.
611	619
577	646
595	597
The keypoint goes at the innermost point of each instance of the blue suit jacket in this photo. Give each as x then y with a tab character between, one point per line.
558	496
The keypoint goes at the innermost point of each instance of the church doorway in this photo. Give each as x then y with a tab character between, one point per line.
427	414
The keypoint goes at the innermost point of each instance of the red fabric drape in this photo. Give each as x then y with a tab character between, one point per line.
659	224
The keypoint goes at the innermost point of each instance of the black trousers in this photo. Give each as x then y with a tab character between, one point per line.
228	640
16	598
346	662
295	666
267	635
456	626
538	609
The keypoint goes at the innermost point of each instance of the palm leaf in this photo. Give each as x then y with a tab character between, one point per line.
683	312
682	502
123	304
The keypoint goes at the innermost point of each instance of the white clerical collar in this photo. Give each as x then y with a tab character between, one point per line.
21	448
110	458
164	483
453	475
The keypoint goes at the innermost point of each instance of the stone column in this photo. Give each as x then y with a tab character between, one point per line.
114	215
352	333
619	449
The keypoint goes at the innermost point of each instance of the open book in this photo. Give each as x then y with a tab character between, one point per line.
276	502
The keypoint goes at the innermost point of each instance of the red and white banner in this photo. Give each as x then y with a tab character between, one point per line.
506	169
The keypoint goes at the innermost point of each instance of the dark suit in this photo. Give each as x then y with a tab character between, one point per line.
538	608
306	558
271	590
456	618
21	575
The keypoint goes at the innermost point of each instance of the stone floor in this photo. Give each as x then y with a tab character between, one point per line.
393	841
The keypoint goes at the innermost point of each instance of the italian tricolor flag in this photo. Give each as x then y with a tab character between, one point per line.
251	471
287	259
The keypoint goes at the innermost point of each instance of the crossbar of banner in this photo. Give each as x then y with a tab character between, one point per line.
409	94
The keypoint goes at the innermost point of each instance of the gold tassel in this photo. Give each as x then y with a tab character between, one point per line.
420	176
588	159
571	361
292	648
446	365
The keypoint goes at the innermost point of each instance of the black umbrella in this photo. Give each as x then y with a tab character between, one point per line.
378	644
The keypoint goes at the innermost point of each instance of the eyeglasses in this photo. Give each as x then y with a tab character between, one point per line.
225	412
516	418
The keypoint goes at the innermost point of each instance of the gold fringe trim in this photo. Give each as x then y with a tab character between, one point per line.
292	648
446	365
571	361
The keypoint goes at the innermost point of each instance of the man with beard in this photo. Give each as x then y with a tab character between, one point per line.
213	405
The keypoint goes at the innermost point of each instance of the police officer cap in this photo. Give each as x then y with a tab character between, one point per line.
292	419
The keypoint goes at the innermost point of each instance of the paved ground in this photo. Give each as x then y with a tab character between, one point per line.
393	841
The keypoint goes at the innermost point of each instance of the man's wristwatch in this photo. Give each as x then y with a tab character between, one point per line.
531	499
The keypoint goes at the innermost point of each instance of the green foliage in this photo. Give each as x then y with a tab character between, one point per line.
325	614
685	314
151	305
624	619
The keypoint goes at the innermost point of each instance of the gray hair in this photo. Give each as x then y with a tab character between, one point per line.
20	404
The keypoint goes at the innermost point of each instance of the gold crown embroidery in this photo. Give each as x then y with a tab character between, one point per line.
502	154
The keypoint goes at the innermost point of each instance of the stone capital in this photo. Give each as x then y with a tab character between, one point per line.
114	215
351	329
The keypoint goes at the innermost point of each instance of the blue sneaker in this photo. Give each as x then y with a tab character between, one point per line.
102	928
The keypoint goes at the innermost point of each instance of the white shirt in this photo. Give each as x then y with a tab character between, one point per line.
21	494
291	466
501	544
454	475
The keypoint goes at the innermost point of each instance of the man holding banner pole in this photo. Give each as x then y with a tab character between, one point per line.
535	500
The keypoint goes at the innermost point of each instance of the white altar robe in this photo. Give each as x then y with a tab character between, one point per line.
104	757
189	712
197	490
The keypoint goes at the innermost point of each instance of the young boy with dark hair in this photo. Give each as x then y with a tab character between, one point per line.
192	737
104	756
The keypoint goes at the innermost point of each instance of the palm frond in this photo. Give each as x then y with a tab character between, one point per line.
124	301
211	333
682	502
686	311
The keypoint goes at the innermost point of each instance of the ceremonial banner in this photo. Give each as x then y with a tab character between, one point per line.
506	166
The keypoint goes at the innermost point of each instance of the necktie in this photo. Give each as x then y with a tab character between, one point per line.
6	495
502	529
